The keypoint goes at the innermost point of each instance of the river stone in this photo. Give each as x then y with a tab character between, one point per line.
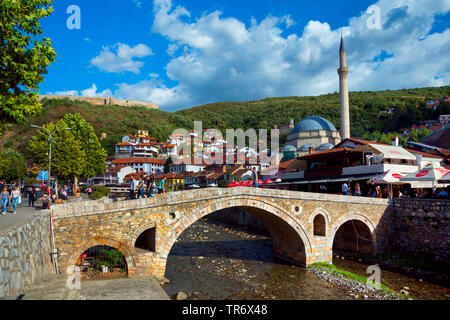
181	296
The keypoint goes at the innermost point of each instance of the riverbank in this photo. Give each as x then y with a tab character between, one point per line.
358	286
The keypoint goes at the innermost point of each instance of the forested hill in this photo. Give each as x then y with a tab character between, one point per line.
380	110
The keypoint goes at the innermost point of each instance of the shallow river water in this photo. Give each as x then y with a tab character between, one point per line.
217	261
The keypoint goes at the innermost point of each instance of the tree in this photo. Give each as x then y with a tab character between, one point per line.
13	166
95	154
68	156
24	57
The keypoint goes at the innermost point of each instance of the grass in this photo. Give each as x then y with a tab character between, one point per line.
380	287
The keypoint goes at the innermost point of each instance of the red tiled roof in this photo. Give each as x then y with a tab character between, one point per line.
286	164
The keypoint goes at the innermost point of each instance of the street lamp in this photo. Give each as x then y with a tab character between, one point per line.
55	252
50	152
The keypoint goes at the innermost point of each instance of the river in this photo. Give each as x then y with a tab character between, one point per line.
218	261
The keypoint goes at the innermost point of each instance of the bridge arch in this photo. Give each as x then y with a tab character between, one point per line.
113	243
289	236
356	221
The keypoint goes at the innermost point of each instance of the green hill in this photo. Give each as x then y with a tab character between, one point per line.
369	111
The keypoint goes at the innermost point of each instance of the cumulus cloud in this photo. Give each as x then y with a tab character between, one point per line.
216	58
120	58
89	92
223	59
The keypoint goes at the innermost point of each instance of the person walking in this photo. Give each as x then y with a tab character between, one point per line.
357	190
4	198
31	195
255	178
149	187
345	189
162	186
140	188
132	189
15	198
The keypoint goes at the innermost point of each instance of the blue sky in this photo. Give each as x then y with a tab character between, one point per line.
179	54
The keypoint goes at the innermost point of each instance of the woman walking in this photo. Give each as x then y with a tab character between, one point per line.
15	196
357	190
4	198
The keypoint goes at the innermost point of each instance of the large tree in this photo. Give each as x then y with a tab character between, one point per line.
13	166
24	57
68	156
95	154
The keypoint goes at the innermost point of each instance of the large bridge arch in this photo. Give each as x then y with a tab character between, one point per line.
289	236
360	218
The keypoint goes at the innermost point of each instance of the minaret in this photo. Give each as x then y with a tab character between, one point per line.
343	91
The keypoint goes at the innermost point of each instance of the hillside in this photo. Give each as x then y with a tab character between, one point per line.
369	112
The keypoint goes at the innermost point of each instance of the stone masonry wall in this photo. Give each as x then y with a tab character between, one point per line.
24	255
422	228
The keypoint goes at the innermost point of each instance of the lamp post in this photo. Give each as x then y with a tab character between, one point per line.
55	252
50	150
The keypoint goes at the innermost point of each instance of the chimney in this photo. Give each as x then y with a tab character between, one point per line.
395	141
311	150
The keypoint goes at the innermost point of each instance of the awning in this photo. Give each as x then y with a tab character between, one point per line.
388	152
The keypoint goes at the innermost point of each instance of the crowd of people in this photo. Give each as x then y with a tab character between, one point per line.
375	191
141	188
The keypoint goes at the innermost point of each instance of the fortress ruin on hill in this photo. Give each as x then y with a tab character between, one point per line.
98	101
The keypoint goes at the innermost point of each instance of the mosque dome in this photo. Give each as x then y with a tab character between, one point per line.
313	124
288	148
305	147
325	146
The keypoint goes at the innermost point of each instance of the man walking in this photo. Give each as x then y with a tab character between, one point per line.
255	178
132	188
31	195
162	187
345	189
140	188
149	187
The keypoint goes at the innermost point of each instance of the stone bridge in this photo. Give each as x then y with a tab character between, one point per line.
306	227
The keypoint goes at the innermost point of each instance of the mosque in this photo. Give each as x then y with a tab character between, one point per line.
316	133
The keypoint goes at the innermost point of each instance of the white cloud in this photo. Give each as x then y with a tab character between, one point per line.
120	58
89	92
222	59
215	58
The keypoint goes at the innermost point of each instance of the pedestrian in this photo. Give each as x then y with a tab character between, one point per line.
378	193
133	188
442	194
255	178
140	188
64	193
345	189
357	190
15	198
149	187
31	195
162	187
4	198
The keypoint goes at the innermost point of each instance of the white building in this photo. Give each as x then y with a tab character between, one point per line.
145	165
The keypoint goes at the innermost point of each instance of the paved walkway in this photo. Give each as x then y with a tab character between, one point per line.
23	214
53	287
